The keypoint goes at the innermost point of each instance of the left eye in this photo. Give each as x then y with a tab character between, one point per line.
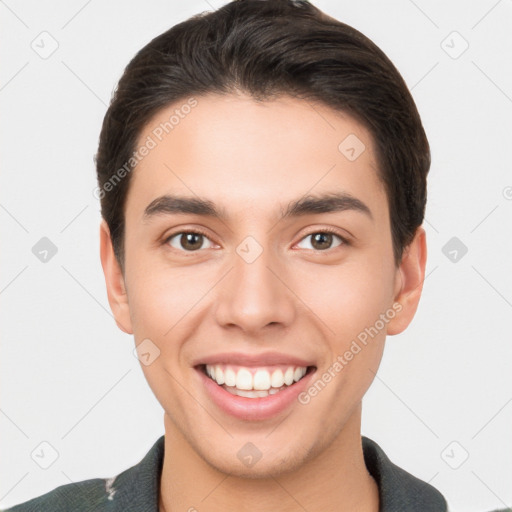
188	240
322	240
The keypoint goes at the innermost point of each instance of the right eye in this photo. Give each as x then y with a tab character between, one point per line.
188	241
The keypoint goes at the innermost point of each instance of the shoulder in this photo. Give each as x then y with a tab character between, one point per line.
83	496
399	491
135	489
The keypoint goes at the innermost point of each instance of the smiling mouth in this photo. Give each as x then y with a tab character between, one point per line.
255	382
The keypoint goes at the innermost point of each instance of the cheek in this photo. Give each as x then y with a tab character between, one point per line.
350	297
164	308
350	302
161	297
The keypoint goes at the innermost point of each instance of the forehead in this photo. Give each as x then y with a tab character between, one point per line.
246	154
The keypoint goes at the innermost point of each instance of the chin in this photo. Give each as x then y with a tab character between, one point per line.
261	470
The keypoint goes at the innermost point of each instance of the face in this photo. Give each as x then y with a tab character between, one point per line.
259	277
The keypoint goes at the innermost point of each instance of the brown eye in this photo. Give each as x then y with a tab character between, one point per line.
188	241
322	240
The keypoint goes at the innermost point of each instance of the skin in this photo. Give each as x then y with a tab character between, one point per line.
252	159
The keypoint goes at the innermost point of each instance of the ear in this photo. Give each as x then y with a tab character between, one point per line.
114	280
409	282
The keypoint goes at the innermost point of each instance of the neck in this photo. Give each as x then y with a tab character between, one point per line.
336	478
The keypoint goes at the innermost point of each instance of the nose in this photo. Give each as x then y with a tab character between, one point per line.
255	294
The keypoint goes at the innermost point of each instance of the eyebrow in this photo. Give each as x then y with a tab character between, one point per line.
308	205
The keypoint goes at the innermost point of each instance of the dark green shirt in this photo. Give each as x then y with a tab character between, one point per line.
137	488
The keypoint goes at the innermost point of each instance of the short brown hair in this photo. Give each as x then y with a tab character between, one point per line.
269	48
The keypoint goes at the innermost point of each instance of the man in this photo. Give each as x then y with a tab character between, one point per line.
262	175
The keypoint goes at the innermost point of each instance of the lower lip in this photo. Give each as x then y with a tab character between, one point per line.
252	409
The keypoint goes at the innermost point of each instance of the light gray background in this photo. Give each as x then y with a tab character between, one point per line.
68	375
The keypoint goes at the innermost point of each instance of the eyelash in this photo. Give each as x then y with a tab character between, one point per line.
198	231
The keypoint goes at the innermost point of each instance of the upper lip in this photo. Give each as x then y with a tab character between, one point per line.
264	359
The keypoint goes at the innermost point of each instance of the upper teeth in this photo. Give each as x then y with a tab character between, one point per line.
254	378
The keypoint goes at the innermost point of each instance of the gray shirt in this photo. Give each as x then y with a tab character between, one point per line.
137	488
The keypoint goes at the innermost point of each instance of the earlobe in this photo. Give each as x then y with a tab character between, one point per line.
409	282
114	281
